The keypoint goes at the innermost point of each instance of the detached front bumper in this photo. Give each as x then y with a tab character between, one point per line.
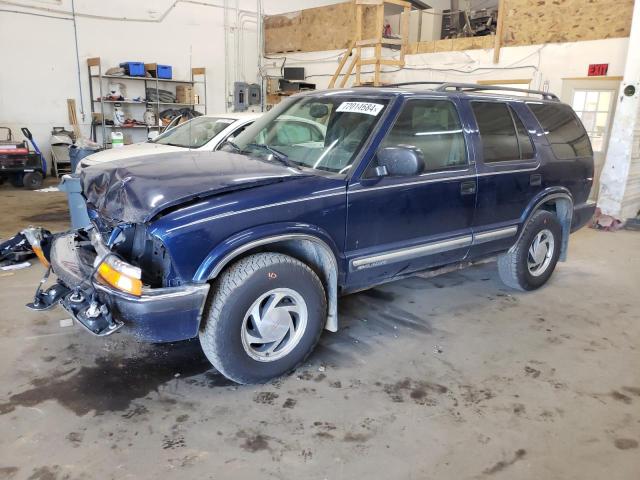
158	315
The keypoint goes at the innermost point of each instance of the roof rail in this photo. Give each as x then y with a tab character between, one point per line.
475	87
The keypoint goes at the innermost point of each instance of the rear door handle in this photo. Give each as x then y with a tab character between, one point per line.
468	188
535	180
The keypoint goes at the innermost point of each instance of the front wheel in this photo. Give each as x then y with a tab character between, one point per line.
264	318
32	180
531	261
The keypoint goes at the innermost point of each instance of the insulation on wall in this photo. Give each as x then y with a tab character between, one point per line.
556	21
526	22
315	29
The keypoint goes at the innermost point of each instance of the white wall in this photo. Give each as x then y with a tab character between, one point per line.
546	65
38	58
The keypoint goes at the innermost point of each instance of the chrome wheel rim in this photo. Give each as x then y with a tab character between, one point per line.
274	324
540	252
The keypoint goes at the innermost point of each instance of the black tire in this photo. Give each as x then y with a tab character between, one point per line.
32	180
235	292
16	180
513	265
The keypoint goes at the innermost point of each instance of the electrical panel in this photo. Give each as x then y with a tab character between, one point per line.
241	96
254	94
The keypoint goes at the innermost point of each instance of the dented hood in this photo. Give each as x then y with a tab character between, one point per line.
137	189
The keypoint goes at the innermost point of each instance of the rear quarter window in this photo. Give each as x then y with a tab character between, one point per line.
565	133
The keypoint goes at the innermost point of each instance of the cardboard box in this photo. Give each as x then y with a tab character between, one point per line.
185	94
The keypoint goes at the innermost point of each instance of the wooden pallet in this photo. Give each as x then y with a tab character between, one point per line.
355	46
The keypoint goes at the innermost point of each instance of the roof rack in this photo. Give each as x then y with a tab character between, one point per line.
475	87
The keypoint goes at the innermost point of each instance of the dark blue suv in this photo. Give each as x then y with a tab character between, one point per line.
249	248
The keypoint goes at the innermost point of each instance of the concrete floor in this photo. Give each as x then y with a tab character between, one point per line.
449	378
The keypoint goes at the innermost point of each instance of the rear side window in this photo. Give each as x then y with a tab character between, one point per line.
564	131
502	133
524	140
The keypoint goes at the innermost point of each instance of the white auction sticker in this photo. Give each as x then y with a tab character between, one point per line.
360	107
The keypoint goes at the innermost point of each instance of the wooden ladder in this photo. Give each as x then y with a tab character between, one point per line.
377	42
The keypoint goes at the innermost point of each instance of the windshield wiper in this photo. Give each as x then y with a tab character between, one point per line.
281	157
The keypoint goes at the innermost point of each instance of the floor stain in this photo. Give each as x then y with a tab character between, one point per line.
502	464
266	398
254	442
421	392
8	472
621	397
50	216
45	473
113	382
289	403
625	443
379	295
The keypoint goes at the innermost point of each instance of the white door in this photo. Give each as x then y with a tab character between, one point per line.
594	100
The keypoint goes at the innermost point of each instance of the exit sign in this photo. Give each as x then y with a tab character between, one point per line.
598	69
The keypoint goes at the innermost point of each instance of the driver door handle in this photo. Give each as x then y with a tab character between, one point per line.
468	188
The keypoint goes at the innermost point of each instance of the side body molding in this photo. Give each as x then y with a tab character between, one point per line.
308	248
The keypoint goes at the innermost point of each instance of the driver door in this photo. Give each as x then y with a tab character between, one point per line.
400	223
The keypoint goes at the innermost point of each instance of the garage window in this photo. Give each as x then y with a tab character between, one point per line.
564	131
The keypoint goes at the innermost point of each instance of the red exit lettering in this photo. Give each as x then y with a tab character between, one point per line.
598	69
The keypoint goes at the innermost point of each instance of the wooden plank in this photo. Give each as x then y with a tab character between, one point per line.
73	118
613	77
93	62
373	41
381	61
344	59
404	32
378	47
502	12
359	12
400	3
345	79
197	71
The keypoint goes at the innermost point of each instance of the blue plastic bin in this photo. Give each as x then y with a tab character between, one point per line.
164	71
133	69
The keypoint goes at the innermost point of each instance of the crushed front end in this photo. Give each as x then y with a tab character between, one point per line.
117	280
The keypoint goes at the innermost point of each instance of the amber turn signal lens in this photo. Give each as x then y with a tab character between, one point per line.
120	280
40	254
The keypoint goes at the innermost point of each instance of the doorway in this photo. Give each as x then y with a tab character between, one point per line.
594	101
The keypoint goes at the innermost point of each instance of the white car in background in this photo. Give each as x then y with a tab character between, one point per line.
207	132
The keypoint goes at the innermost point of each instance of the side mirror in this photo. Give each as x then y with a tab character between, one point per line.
26	133
319	110
400	161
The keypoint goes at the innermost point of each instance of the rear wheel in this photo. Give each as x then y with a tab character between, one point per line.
264	318
16	179
32	180
530	263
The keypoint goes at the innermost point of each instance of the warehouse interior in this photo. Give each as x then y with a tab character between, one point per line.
422	370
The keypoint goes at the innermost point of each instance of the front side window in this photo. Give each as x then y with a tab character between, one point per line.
195	133
323	133
564	131
432	127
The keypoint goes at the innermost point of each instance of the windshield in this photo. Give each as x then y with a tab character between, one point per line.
195	133
323	133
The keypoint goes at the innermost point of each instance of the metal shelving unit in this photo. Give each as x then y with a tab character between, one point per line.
94	68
